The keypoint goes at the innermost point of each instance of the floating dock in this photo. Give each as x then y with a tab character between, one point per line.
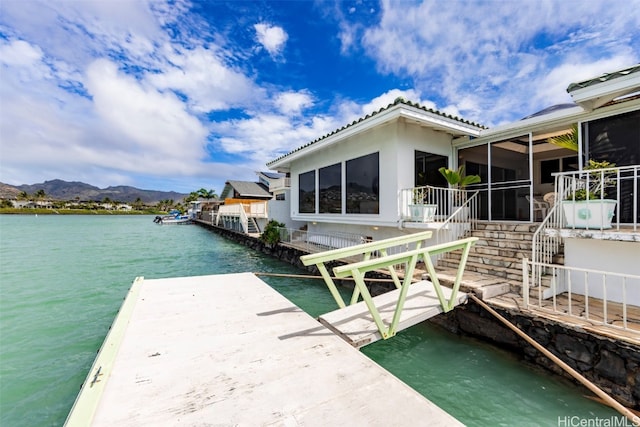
230	350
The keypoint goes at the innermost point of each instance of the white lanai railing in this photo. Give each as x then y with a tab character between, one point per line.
620	185
279	184
615	186
317	242
452	212
596	296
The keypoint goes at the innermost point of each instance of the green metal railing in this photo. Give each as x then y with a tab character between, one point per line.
365	250
358	270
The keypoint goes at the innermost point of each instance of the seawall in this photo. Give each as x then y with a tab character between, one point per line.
611	364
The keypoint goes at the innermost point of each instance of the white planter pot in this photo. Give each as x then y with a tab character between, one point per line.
422	213
589	213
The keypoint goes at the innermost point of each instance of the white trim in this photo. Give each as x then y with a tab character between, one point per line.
541	123
598	94
424	118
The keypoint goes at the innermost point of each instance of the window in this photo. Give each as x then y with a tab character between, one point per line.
280	196
363	193
330	189
426	169
307	192
615	139
548	167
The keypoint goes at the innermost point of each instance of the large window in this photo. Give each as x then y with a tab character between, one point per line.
330	189
426	169
363	193
307	192
617	140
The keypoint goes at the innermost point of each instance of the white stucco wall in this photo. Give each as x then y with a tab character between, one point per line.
279	210
396	143
604	255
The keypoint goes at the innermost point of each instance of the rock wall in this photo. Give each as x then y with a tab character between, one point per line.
612	365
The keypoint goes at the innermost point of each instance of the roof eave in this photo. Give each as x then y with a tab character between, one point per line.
540	123
426	118
597	95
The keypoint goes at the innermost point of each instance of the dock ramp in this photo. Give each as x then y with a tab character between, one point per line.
381	317
355	323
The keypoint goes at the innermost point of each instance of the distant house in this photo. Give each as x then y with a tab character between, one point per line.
245	207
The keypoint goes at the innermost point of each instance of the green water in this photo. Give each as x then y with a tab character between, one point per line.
63	278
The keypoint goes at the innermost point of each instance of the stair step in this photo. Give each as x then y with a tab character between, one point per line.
494	260
500	234
527	228
500	252
487	260
505	243
493	270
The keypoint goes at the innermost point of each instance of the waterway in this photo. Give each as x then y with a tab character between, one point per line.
63	279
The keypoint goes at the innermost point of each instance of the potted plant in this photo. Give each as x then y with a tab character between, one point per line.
420	209
585	204
459	181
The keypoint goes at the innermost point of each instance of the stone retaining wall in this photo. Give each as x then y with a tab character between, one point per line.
612	365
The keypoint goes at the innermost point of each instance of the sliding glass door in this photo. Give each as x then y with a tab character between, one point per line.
505	172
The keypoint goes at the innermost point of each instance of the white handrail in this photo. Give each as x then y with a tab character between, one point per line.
619	184
580	291
460	222
313	242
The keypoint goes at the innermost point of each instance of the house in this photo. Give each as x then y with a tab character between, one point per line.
244	208
351	179
366	177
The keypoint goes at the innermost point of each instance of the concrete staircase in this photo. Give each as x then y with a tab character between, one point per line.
494	265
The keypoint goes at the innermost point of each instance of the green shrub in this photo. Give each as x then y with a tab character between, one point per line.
271	233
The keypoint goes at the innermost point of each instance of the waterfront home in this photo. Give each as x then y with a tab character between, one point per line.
244	208
378	177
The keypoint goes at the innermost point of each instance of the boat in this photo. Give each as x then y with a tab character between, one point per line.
174	217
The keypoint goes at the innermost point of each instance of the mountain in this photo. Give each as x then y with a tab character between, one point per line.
58	189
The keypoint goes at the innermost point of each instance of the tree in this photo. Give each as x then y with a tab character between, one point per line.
23	195
207	194
40	194
137	205
568	140
191	197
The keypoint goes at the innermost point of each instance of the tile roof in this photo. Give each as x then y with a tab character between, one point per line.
603	78
397	101
248	189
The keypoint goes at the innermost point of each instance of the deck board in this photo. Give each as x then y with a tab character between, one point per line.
230	350
355	324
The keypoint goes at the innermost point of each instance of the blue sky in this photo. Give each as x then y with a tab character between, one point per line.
177	95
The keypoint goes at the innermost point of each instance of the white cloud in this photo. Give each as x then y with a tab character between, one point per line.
149	119
491	53
19	53
202	75
390	96
293	103
271	37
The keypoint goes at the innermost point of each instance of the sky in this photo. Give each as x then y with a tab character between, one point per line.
180	95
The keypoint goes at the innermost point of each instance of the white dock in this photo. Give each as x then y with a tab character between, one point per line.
355	324
230	350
